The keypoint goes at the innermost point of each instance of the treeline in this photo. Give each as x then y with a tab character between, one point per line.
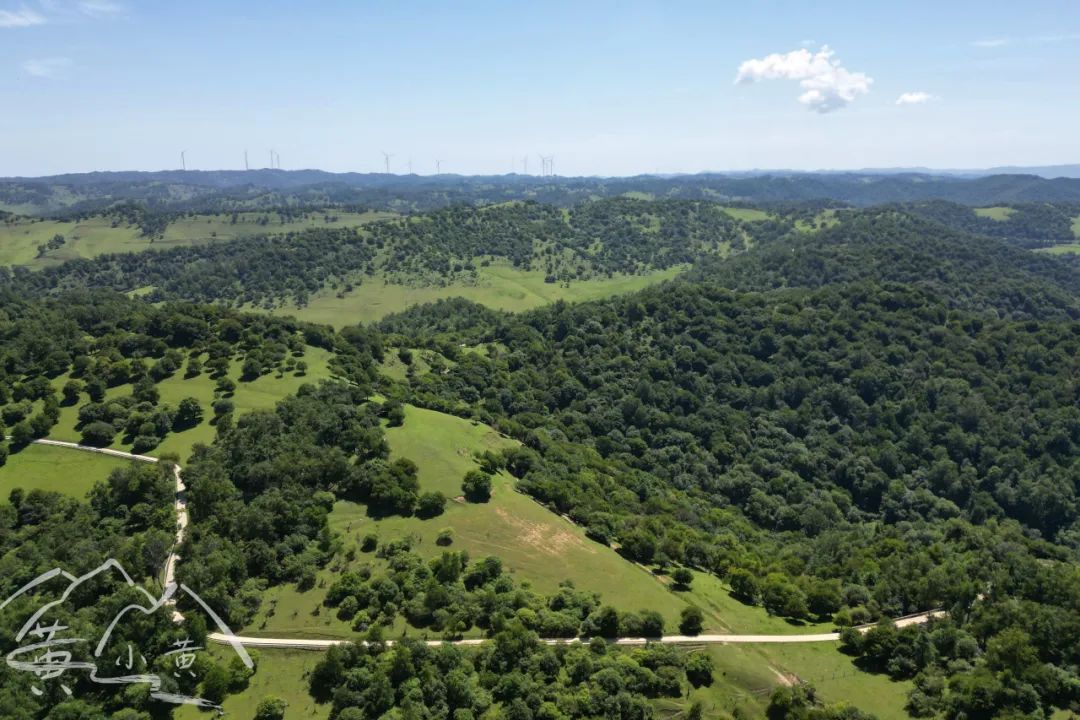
514	676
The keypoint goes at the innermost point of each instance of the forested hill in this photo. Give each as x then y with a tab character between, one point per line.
233	190
595	239
1030	225
861	447
964	270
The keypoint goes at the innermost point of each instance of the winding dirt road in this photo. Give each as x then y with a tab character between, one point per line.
169	576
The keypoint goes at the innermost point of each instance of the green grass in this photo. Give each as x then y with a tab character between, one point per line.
1076	226
1064	249
205	228
745	675
278	673
748	214
824	219
995	213
40	467
709	593
534	544
262	393
96	235
500	286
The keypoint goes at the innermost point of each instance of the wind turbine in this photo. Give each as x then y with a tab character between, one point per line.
438	167
386	158
183	160
246	161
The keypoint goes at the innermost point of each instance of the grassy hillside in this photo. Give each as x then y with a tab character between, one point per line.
500	286
534	544
98	235
40	467
261	393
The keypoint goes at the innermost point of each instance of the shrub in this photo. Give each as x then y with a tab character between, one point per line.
476	486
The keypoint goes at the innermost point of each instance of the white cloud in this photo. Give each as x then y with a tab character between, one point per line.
917	97
23	17
827	84
45	67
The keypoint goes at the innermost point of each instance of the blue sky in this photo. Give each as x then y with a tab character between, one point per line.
609	88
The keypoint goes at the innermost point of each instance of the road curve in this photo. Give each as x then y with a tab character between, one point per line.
180	505
317	644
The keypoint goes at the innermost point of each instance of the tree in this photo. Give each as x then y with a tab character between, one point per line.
22	434
188	414
476	486
691	620
395	413
98	434
3	453
146	391
682	577
430	504
71	391
445	537
699	669
744	585
781	597
271	708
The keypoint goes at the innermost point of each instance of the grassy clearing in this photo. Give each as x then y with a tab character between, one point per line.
824	219
500	286
1065	249
279	673
1076	226
534	544
748	214
745	675
205	228
95	236
40	467
995	213
259	394
710	594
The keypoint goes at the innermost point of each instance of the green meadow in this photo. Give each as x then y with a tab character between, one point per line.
748	214
499	286
995	213
41	467
1064	249
1076	226
278	673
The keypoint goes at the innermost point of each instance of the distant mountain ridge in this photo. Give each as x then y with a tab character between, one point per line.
226	190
